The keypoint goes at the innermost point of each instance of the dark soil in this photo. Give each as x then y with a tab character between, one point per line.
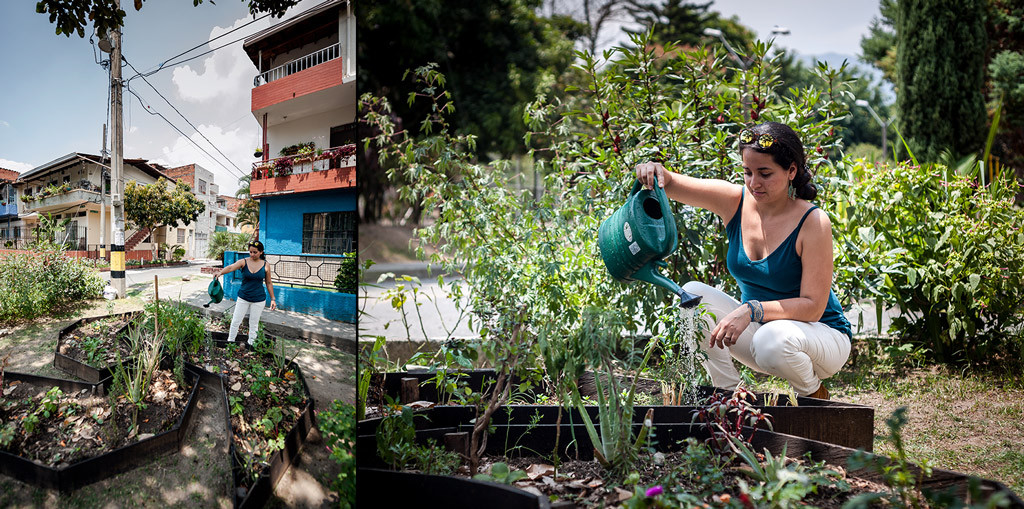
76	426
93	343
225	326
587	484
265	398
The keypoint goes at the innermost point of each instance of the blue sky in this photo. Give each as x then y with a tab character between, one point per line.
53	95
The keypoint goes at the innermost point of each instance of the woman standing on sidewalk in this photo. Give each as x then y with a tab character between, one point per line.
251	297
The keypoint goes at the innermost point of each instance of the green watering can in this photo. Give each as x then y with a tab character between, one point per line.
636	238
216	293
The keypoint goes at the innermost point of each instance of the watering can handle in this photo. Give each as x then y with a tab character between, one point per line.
666	209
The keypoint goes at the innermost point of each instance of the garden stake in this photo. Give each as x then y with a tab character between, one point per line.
635	240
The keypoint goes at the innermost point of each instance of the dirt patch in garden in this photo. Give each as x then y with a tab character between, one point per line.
58	429
587	484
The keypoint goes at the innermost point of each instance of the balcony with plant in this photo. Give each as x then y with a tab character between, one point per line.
61	195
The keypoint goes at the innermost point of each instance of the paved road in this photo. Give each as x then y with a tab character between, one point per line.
430	313
440	316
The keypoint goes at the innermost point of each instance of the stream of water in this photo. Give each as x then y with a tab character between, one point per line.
688	362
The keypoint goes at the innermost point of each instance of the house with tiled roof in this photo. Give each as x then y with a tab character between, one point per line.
69	188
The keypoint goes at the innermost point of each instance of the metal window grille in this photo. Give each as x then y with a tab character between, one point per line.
316	271
329	233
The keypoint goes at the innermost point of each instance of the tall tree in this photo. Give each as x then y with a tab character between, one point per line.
878	48
249	210
160	204
496	55
940	71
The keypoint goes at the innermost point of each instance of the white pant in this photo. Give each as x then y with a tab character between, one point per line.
803	353
254	309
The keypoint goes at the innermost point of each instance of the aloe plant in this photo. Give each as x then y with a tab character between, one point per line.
135	378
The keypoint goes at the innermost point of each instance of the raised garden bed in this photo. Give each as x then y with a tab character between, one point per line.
79	437
835	422
270	414
85	349
511	441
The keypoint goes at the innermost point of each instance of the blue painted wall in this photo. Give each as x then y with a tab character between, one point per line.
281	216
329	304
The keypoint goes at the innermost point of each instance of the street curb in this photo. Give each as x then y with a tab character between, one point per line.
336	339
416	269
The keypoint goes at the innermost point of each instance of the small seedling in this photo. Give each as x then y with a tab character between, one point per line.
500	473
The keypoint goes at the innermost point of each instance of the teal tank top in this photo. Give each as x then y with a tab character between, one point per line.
252	284
776	276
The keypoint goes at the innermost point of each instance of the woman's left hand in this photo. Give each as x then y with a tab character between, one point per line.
728	330
273	305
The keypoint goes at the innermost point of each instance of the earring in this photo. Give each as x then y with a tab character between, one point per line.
791	191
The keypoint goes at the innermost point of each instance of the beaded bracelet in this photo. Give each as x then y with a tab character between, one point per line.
756	314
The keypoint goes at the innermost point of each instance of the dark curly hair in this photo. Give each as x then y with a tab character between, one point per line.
785	150
259	247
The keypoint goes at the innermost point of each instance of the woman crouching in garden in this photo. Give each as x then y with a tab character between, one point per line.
788	322
251	297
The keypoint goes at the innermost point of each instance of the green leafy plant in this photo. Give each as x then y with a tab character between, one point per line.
235	403
338	426
30	423
614	445
347	279
941	248
500	473
94	353
268	424
8	431
781	482
135	376
396	436
50	402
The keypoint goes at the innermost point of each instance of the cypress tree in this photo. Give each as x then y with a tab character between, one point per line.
940	72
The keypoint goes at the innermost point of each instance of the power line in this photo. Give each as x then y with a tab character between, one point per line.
228	159
168	62
203	150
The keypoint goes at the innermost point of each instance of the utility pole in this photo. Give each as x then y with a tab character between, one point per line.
117	164
103	197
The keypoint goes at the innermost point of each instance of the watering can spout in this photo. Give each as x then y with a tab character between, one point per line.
650	274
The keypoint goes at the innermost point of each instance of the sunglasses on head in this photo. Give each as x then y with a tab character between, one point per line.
748	137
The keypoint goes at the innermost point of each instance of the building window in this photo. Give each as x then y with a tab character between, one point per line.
329	233
202	186
181	235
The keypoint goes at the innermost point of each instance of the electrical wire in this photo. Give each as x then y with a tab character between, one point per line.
226	158
203	150
168	62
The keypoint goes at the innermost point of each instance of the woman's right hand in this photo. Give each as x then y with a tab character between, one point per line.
646	172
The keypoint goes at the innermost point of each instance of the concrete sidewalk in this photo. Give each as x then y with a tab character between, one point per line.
192	288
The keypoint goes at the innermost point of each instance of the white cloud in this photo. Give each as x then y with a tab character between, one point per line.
15	165
3	123
226	73
235	143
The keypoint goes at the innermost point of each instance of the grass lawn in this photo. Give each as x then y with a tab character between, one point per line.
968	422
